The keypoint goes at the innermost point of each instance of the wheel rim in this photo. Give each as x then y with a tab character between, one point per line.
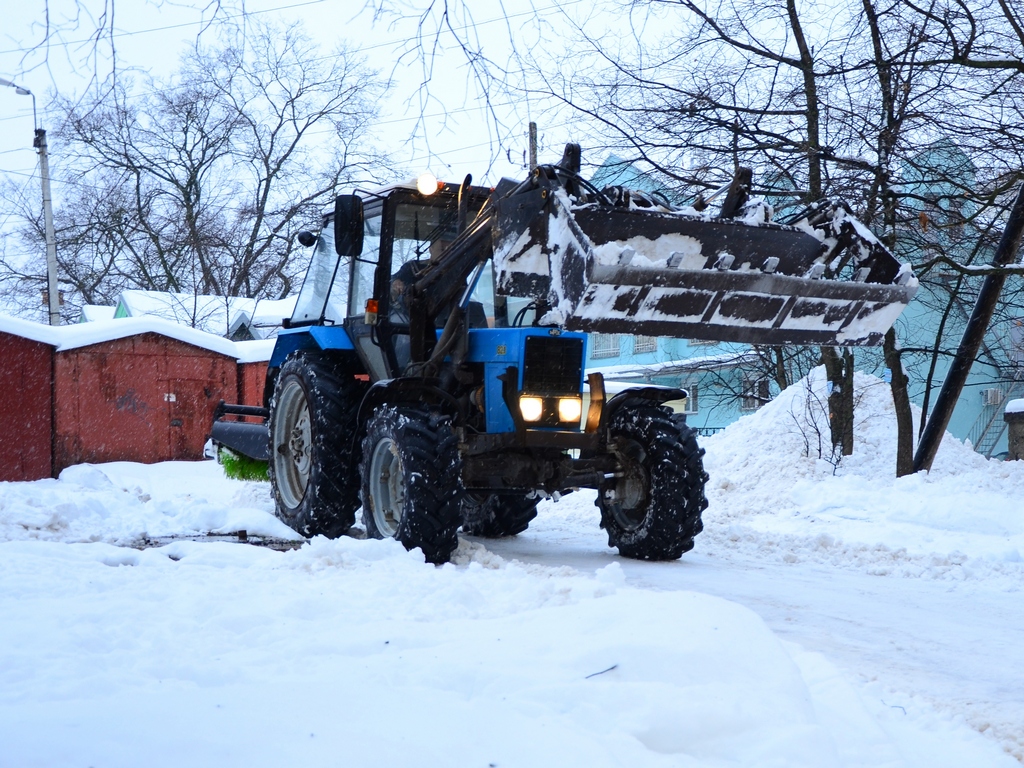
293	444
628	502
387	487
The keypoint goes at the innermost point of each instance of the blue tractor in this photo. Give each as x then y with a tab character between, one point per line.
433	370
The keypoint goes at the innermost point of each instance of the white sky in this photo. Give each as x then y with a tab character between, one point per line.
151	37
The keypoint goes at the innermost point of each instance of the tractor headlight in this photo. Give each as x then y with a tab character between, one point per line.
570	409
531	407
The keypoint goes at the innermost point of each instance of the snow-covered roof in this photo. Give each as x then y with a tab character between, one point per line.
27	329
210	313
221	315
669	367
258	351
94	312
267	314
67	337
1015	406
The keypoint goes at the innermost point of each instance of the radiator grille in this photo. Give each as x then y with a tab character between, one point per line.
552	365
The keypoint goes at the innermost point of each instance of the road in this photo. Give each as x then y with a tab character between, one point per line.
957	645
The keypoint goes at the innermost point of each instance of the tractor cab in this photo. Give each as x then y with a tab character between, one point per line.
372	251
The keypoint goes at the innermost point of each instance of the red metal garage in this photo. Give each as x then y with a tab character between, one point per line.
135	389
145	396
253	358
26	400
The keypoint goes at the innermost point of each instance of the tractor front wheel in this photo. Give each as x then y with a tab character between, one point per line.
652	507
410	480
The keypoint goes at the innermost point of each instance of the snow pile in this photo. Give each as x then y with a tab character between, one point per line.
124	502
773	472
220	654
651	252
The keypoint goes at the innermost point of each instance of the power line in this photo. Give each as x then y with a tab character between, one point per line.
534	11
95	188
326	131
21	189
245	14
132	33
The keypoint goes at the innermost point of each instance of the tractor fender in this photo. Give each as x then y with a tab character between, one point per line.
316	338
649	394
404	391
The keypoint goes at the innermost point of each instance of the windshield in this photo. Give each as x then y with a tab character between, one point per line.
365	267
309	307
421	233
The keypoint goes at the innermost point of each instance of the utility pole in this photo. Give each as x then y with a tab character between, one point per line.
39	142
533	146
51	241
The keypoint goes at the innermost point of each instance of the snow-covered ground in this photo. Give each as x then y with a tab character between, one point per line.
829	616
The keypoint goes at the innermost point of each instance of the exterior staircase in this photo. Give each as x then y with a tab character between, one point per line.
989	427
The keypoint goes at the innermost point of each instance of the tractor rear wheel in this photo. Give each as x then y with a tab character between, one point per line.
312	470
410	480
496	516
652	508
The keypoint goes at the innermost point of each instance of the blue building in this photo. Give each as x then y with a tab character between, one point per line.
726	380
717	376
947	224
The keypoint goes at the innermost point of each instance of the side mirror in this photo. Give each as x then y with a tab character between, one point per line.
348	225
306	238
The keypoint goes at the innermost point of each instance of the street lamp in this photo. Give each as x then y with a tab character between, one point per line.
44	171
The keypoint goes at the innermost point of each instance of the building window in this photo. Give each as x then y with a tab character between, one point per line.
697	342
690	403
604	345
1017	341
755	394
645	344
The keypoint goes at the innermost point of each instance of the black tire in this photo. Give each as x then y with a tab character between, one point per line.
312	469
411	480
653	511
496	516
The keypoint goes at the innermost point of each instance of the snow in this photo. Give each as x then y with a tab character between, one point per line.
520	255
703	362
1015	406
270	312
960	521
877	320
124	503
93	312
255	351
46	334
218	315
85	334
655	252
65	337
830	615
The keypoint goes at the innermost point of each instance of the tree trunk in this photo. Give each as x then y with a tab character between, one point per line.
839	370
901	402
781	378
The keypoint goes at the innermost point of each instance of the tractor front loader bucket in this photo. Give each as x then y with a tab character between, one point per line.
617	267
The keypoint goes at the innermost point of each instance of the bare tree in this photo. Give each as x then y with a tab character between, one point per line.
855	102
197	184
85	33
